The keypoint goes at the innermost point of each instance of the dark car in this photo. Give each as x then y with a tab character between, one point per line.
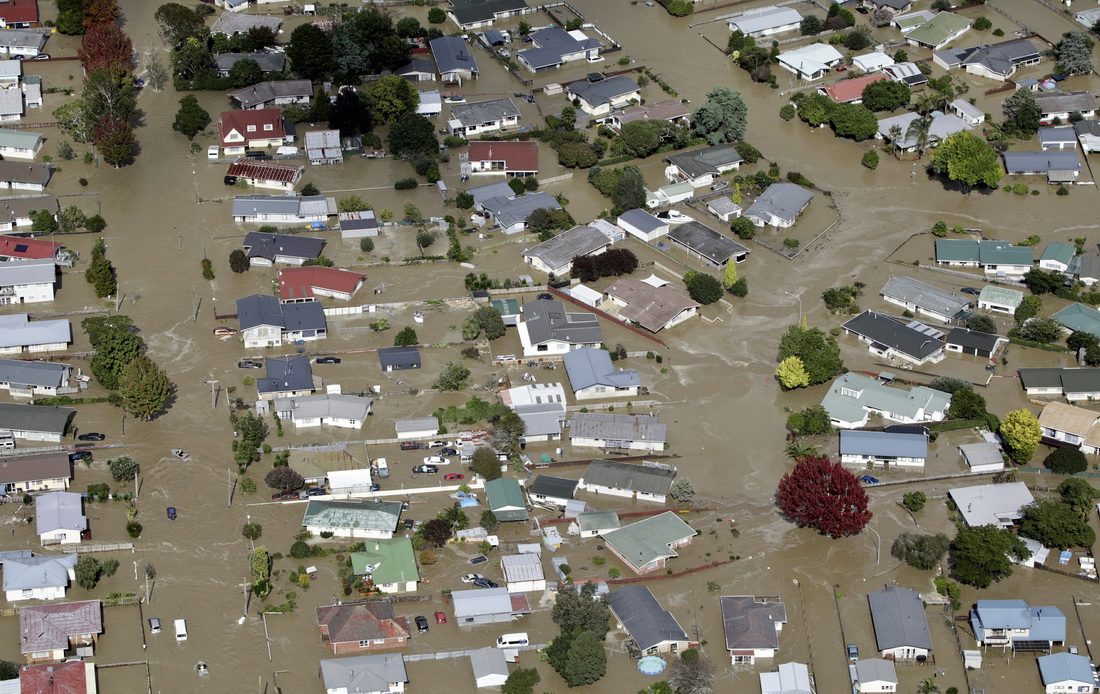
171	513
283	496
448	451
42	56
421	624
426	469
479	559
375	487
409	523
970	290
316	491
868	479
485	583
249	364
410	445
80	455
546	295
328	360
91	436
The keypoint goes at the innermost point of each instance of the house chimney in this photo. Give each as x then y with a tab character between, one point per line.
969	507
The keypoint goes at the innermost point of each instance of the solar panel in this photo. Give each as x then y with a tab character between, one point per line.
21	248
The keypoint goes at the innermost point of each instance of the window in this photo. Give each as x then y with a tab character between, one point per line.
250	128
268	127
364	644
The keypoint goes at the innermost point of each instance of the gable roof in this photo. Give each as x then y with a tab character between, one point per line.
69	677
488	661
362	621
17	330
604	91
27	248
25	172
19	11
706	242
554	487
547	320
640	478
881	443
233	23
240	121
45	418
913	339
522	567
269	91
598	520
763	19
399	356
276	171
350	407
452	55
1079	317
938	29
810	59
387	561
617	427
560	250
300	282
513	209
1059	134
18	372
22	468
924	295
649	306
28	573
1066	667
644	619
268	62
1001	295
898	618
749	622
587	367
641	219
470	11
649	539
479	112
985	252
20	139
875	670
991	504
517	155
250	205
874	395
849	90
973	339
1000	58
365	513
363	673
23	38
48	627
506	499
700	162
259	310
783	200
1043	162
790	678
37	271
1059	102
481	602
59	511
268	246
553	44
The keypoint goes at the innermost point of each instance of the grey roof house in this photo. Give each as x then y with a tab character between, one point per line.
482	116
911	341
551	490
967	341
264	321
914	295
399	358
286	376
290	209
487	606
268	62
751	625
645	482
453	59
35	422
475	14
943	125
701	167
490	667
885	449
652	628
592	374
266	249
31	473
333	409
998	61
636	432
1059	166
358	519
992	504
28	378
510	211
600	98
547	328
554	46
1062	104
273	94
555	255
706	244
31	577
59	518
368	674
901	629
779	205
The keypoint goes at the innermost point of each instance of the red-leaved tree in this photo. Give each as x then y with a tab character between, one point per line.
98	12
823	495
114	139
106	47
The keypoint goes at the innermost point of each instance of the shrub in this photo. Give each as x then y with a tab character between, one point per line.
920	551
787	112
405	183
1062	190
982	24
133	529
299	550
914	501
870	159
998	32
366	245
749	153
743	227
1066	461
1020	189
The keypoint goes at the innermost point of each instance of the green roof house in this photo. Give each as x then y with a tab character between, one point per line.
995	257
389	564
645	546
1079	317
1001	299
374	520
936	33
20	144
1057	257
853	398
506	499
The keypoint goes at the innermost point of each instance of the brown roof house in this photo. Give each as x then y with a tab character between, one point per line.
35	473
366	626
48	633
651	307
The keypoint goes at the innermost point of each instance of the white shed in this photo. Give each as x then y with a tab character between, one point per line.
348	480
586	295
523	572
490	667
416	428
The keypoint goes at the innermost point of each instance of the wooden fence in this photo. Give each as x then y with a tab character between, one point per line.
83	549
658	577
618	321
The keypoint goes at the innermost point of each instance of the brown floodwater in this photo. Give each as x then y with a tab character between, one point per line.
170	209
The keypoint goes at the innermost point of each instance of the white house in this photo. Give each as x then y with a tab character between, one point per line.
968	112
637	432
811	62
751	625
874	676
27	281
1017	625
482	117
872	62
523	572
642	482
982	457
363	519
19	334
766	21
388	565
20	144
602	97
1000	299
383	673
59	518
654	306
1066	672
282	209
556	254
26	379
642	225
333	409
883	449
416	428
779	205
596	523
701	167
789	678
490	667
853	397
901	629
548	329
31	577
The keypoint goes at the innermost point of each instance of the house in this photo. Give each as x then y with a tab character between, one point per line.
895	6
751	625
779	205
1066	672
1086	268
939	31
264	322
417	70
383	673
585	295
285	209
332	409
35	473
1057	256
634	432
913	342
1062	105
542	422
48	633
998	61
995	257
556	491
487	606
669	195
978	344
273	95
992	504
1058	166
509	158
653	308
555	255
23	42
19	334
23	248
982	457
1015	624
1088	18
31	577
20	144
723	208
884	449
59	518
876	675
1000	299
906	73
374	520
510	213
1068	425
523	572
350	481
1088	133
24	176
872	62
364	626
357	225
416	428
596	523
602	97
430	102
25	379
766	21
400	359
230	24
271	64
914	295
19	14
1061	137
280	175
265	249
476	14
533	394
670	110
35	422
967	112
643	482
11	105
701	167
548	329
790	678
852	398
506	499
647	545
453	59
909	21
1074	383
490	667
305	284
553	47
323	147
480	117
901	629
240	130
851	91
651	627
810	62
943	126
69	677
15	211
1079	317
27	281
388	565
706	244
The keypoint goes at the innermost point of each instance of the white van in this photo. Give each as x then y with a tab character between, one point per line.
181	629
7	440
512	640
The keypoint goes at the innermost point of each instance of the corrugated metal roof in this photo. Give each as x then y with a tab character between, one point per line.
898	618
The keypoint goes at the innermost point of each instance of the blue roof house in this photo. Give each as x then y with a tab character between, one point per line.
883	449
1066	672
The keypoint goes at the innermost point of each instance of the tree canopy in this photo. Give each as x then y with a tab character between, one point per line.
821	494
1074	53
144	387
967	159
723	117
391	97
1066	461
580	610
310	52
191	117
980	555
411	135
1055	524
820	354
886	95
123	468
920	551
1021	432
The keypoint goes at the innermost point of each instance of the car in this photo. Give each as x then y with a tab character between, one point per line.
80	455
440	618
328	360
283	496
470	578
841	68
853	651
448	451
457	99
171	513
154	625
720	185
316	491
453	476
868	479
990	367
91	436
138	82
970	290
249	364
421	624
503	53
436	460
410	445
224	331
212	152
545	295
593	58
485	583
375	487
42	56
425	469
479	559
438	443
409	523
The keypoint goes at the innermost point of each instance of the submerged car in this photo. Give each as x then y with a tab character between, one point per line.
328	360
224	331
171	513
485	583
436	460
249	364
868	479
91	436
470	578
425	469
453	476
421	624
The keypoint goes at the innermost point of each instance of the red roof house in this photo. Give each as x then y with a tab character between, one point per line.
71	677
511	158
851	91
365	626
298	284
260	128
21	248
48	631
18	14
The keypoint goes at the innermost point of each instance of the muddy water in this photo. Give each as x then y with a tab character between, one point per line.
170	209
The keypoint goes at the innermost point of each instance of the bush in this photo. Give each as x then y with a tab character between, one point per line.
133	529
870	160
299	550
1020	189
1066	461
787	112
743	227
982	24
749	153
1062	190
366	245
920	551
914	501
405	183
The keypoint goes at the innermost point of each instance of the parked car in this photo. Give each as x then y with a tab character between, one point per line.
674	217
316	491
409	522
440	444
479	559
970	290
46	56
212	152
436	460
91	436
375	487
453	476
410	445
426	469
868	479
80	455
249	364
853	651
328	360
154	625
470	578
457	99
224	331
841	68
485	583
421	624
171	513
440	618
448	451
283	496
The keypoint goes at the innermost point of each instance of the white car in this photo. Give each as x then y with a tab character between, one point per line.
470	578
436	460
439	443
212	152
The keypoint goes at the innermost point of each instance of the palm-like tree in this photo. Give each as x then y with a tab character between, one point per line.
928	686
931	101
894	133
919	131
797	450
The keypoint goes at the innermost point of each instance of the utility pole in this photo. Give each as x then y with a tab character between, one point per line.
229	488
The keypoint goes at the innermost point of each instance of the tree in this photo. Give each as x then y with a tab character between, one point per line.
1028	309
350	114
968	159
691	674
101	275
192	60
406	337
586	662
238	261
886	95
452	377
870	159
73	119
1074	53
1043	281
144	387
919	132
284	479
522	680
106	47
123	468
821	494
819	352
642	137
489	322
630	191
1041	330
310	52
722	118
505	434
253	531
485	464
682	490
245	73
454	517
981	324
435	532
10	671
1021	432
488	519
577	155
412	135
1055	524
436	15
87	572
191	117
810	421
914	501
920	551
980	555
115	140
703	287
966	404
177	23
1066	461
811	25
949	384
815	109
792	374
840	299
579	610
1023	111
391	97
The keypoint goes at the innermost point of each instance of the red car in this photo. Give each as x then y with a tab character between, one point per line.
283	496
841	68
440	618
453	476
